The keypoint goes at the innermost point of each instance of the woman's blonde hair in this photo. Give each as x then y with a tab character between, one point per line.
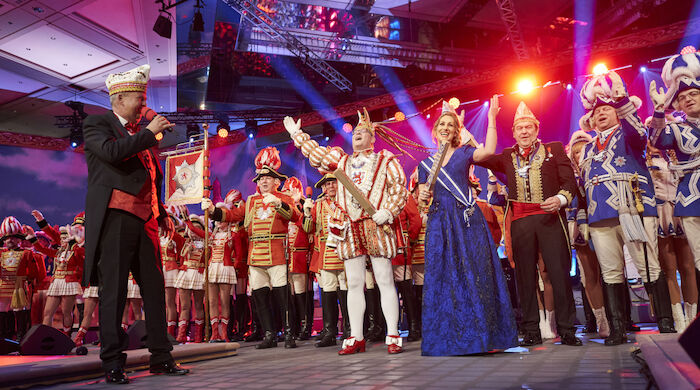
456	140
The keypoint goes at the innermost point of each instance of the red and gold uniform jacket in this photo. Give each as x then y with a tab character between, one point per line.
323	257
36	273
68	260
222	247
267	227
13	263
240	250
170	246
299	248
407	230
192	255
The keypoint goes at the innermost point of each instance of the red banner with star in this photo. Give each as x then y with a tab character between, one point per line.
185	178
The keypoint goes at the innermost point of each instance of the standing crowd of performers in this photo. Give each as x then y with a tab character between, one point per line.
621	187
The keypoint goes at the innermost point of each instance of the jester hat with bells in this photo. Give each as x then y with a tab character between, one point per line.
396	140
681	72
267	162
598	91
465	136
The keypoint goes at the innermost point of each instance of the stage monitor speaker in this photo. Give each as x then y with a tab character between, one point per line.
45	340
690	339
8	346
137	335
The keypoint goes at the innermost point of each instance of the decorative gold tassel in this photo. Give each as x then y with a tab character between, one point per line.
19	299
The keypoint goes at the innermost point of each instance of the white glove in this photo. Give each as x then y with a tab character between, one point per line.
308	205
658	97
292	127
38	215
382	216
208	205
272	200
618	87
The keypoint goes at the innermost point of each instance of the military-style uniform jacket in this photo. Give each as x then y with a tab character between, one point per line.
323	257
266	225
684	139
170	247
407	230
13	263
608	165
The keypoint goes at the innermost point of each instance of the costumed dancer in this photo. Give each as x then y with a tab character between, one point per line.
616	181
358	237
171	244
41	286
674	251
589	267
222	277
266	215
329	269
14	266
190	281
540	183
299	252
68	262
466	307
681	75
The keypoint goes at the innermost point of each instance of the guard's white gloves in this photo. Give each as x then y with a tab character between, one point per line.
308	205
207	205
272	200
292	127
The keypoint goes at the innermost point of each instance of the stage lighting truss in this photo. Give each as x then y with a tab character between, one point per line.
262	20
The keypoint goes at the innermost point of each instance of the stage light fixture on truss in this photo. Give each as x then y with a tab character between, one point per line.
198	20
223	128
454	102
347	127
328	132
251	128
76	136
643	69
399	116
164	24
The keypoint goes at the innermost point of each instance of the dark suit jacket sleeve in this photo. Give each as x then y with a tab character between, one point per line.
494	163
100	140
567	180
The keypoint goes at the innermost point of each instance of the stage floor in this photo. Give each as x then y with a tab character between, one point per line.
548	366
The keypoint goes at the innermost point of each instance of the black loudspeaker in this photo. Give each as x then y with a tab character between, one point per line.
690	339
45	340
8	346
137	335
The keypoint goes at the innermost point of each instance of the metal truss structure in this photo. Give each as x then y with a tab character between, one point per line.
515	33
265	23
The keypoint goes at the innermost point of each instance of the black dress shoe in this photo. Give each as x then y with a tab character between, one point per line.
116	376
570	339
168	368
531	339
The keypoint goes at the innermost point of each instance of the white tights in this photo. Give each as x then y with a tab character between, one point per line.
384	276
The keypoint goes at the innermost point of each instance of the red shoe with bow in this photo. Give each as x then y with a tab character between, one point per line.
351	345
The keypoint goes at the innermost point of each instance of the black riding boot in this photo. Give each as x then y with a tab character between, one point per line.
282	299
615	307
302	313
591	326
405	288
374	331
658	292
261	297
629	324
241	311
343	299
330	319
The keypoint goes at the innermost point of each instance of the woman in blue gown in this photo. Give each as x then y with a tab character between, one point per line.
466	306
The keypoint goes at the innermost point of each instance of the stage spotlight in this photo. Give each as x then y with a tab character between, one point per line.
76	137
347	127
192	132
454	103
600	69
525	86
328	132
163	25
222	129
643	69
251	128
159	136
399	116
486	103
427	116
569	87
198	20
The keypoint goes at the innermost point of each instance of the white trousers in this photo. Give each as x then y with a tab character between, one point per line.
273	276
608	241
691	226
384	277
332	280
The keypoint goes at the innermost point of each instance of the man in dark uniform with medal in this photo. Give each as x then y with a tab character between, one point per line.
540	184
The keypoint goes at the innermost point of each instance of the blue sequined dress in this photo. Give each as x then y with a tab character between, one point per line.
466	306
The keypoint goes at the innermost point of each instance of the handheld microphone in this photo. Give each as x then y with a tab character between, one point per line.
149	114
309	191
